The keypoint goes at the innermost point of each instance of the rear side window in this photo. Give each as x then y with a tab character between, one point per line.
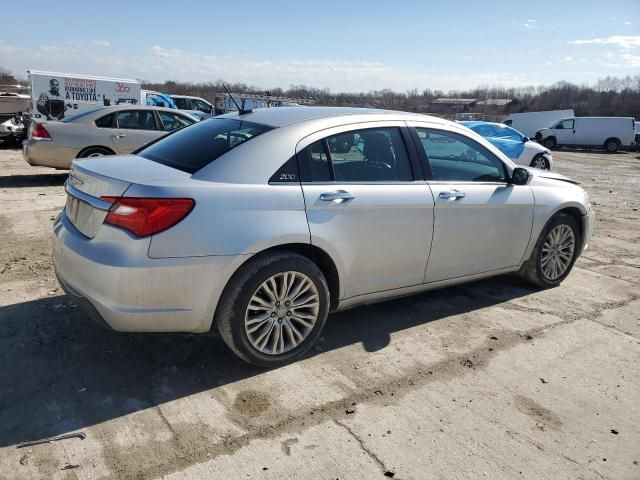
136	120
105	122
190	149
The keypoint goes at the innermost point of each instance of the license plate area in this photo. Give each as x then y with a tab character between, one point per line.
83	216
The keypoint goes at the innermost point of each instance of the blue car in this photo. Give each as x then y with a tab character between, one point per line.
519	148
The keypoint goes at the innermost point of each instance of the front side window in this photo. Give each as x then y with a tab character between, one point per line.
136	120
456	158
200	105
565	125
173	121
192	148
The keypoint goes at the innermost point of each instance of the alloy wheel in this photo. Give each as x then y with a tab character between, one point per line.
282	313
540	163
557	252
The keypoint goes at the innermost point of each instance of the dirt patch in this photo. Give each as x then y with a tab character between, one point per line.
251	403
543	416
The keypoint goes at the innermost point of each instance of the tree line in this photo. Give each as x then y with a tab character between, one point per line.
610	96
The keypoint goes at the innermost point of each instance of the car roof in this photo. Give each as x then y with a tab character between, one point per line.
282	116
138	107
475	123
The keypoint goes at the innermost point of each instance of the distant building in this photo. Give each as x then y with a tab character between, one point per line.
452	105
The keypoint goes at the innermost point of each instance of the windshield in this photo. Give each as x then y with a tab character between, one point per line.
191	148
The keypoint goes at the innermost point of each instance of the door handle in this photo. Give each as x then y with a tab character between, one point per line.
118	135
339	196
455	194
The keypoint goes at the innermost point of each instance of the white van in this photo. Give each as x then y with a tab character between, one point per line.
56	95
530	122
609	133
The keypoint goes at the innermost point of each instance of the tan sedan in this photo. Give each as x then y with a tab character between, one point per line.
104	131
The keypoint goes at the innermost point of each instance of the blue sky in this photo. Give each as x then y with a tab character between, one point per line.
345	46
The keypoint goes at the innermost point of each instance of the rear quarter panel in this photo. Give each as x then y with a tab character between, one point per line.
229	219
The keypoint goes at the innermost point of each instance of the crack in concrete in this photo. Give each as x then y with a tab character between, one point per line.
363	447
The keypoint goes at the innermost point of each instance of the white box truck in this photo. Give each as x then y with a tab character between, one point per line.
56	95
609	133
529	123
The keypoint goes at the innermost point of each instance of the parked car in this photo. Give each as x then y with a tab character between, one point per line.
11	129
258	225
514	144
102	131
609	133
193	104
530	122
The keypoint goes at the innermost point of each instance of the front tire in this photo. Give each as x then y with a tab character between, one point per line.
549	143
540	162
273	309
554	254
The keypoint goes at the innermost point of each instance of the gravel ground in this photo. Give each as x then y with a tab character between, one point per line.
492	379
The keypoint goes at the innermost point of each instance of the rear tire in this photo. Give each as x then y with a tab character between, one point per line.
273	309
612	145
95	152
554	254
549	143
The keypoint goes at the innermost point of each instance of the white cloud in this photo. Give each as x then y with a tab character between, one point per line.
102	43
157	63
626	42
529	23
626	23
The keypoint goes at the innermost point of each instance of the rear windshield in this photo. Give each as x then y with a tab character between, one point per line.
191	148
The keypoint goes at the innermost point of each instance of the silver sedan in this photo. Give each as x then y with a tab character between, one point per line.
260	224
102	131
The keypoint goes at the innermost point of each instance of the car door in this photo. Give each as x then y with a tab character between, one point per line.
367	206
481	222
565	132
134	128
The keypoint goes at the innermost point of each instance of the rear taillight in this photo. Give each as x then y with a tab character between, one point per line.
147	216
40	133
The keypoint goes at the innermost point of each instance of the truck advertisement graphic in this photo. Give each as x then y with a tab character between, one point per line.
56	95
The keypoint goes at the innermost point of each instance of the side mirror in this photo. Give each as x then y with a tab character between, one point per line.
520	176
525	139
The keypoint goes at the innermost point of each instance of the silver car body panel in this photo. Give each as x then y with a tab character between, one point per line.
391	239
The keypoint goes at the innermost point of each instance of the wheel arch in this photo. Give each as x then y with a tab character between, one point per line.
615	139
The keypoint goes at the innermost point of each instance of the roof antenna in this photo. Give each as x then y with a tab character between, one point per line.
241	111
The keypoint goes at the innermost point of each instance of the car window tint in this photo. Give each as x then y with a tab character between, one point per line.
136	120
370	155
192	148
200	105
173	121
565	125
105	122
455	157
181	103
314	163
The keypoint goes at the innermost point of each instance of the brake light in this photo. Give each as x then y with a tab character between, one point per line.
40	133
147	216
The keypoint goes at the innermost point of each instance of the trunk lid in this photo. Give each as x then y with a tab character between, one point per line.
109	176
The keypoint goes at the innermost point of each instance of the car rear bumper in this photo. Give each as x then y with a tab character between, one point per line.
44	153
116	283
